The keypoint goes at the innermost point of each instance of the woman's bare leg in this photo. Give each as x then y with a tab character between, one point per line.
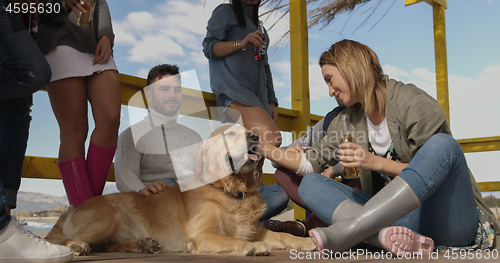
68	98
104	95
257	120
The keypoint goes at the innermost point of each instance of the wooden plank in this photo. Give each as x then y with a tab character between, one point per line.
489	186
411	2
36	167
441	59
430	2
483	144
299	58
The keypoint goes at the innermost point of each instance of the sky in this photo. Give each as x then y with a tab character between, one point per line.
152	32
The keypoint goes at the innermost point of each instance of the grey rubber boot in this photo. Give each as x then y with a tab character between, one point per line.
391	203
395	239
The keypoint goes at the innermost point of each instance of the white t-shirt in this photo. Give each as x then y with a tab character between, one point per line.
379	136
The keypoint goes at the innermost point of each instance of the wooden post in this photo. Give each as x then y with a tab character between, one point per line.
438	7
299	59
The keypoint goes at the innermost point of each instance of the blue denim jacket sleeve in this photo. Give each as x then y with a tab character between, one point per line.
216	30
271	97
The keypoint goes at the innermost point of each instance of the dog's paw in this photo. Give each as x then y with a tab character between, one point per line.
256	249
306	244
80	248
149	245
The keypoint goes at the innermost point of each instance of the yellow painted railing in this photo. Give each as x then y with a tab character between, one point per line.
44	167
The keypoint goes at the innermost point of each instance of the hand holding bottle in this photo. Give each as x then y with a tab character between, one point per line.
347	138
255	38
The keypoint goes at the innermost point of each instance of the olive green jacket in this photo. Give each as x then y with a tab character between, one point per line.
412	117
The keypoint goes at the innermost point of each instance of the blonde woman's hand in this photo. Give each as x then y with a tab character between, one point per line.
253	39
354	155
274	111
329	173
102	51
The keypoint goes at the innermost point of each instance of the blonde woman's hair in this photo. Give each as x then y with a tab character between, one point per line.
361	69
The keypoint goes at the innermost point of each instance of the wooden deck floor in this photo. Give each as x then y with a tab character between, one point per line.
276	256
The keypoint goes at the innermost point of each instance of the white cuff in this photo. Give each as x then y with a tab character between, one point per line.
305	166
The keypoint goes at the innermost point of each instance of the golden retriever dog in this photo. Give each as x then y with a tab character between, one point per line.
220	217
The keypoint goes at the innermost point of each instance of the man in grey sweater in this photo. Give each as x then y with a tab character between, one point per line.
157	151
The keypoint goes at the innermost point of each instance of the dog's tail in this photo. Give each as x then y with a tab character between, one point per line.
55	236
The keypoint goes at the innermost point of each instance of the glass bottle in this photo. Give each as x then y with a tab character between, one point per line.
347	135
86	19
260	52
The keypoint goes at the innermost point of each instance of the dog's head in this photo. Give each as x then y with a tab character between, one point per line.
228	159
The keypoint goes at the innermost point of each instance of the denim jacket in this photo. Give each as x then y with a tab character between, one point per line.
239	76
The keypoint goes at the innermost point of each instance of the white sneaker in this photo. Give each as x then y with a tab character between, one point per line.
17	244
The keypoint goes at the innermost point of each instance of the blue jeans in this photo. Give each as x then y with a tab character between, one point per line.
439	176
276	199
23	71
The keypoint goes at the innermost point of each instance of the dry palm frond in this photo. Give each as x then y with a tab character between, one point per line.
323	11
328	9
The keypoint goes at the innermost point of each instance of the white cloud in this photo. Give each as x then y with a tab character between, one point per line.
143	72
154	49
279	84
283	67
394	72
318	89
424	74
170	31
474	104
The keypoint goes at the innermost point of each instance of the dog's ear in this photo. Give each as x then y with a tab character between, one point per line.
211	159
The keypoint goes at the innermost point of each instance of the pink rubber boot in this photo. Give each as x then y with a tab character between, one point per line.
99	159
75	179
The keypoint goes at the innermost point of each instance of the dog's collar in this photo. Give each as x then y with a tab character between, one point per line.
240	195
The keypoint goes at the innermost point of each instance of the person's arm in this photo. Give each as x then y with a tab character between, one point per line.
222	48
127	164
104	27
287	159
424	118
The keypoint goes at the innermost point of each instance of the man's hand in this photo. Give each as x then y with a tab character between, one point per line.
153	188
